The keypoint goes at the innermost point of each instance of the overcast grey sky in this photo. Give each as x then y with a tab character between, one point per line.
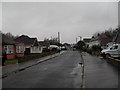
71	19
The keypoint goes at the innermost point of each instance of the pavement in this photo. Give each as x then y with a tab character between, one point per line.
99	73
9	69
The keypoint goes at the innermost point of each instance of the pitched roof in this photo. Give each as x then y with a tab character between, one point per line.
6	40
105	41
26	40
86	40
44	43
103	36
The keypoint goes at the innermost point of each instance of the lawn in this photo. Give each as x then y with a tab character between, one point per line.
12	61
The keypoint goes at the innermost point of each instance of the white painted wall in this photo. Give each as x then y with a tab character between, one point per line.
93	43
36	49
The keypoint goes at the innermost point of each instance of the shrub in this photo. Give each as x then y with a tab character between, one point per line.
89	51
35	56
96	48
80	45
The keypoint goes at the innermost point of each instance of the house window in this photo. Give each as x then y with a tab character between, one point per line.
20	49
34	48
9	49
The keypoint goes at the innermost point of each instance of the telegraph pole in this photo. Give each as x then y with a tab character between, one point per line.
59	37
51	37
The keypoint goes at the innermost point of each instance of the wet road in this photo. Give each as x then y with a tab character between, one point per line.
65	72
60	72
99	73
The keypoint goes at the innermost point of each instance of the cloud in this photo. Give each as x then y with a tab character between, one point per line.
71	19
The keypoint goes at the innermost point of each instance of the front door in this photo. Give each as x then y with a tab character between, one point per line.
27	51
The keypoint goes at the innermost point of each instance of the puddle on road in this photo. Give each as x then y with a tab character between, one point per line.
76	74
44	69
76	70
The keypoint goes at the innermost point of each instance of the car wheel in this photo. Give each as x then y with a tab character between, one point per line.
103	55
107	55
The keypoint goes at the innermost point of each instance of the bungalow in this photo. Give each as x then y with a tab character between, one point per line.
93	41
44	45
9	46
87	41
31	44
101	40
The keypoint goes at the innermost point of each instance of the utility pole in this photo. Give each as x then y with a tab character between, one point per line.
51	37
59	37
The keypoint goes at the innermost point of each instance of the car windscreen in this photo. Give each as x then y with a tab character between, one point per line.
115	47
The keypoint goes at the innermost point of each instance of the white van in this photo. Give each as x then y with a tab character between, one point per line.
112	51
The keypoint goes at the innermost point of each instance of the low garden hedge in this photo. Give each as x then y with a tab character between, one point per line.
34	56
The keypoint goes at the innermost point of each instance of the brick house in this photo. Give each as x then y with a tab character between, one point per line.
9	46
31	44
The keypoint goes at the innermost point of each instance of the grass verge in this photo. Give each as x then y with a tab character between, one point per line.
12	61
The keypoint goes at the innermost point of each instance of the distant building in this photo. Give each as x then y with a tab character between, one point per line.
91	41
87	41
96	42
101	40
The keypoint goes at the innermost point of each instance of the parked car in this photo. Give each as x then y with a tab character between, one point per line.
63	48
111	51
74	49
54	48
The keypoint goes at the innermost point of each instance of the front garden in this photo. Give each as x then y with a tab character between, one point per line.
29	57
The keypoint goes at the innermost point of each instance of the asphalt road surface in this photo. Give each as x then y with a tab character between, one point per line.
65	71
60	72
